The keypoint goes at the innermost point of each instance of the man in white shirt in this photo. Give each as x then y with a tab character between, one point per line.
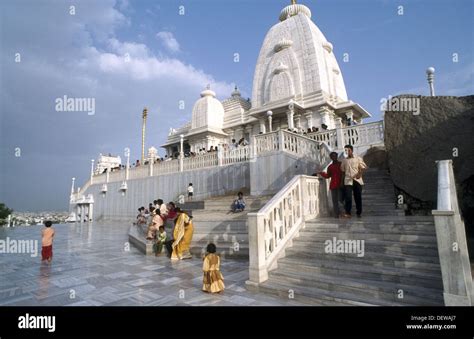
352	168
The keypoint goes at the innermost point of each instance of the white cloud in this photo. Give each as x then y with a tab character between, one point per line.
82	56
168	41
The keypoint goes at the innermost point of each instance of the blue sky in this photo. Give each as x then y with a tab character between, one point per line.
174	57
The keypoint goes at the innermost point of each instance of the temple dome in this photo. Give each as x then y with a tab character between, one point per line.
207	111
296	61
294	9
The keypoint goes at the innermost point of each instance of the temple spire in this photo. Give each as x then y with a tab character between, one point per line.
293	2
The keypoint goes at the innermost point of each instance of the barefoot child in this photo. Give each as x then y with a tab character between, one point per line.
160	240
47	234
213	281
190	191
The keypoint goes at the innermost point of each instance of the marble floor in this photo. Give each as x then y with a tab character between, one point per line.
94	265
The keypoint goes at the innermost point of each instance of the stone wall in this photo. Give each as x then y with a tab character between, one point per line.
270	172
207	182
443	129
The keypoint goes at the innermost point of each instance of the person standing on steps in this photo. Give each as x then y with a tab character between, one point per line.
334	172
190	191
352	168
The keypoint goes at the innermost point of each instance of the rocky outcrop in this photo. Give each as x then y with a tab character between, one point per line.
442	129
376	157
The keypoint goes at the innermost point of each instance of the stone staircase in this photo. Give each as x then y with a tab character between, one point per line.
400	265
213	222
229	231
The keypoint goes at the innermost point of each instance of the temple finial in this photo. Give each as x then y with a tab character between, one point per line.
293	2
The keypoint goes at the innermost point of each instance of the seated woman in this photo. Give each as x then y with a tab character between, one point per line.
154	225
239	203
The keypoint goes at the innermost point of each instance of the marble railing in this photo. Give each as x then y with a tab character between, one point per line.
139	172
273	227
285	141
357	135
165	167
200	161
267	142
328	137
365	134
236	155
452	242
296	144
173	166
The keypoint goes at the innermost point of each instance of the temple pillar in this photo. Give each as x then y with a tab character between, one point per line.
289	114
325	112
298	121
91	210
309	118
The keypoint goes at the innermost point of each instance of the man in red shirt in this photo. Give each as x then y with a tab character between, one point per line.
334	172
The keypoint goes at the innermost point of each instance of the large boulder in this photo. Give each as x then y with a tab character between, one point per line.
443	129
376	157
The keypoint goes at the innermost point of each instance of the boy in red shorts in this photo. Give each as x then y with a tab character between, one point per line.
47	235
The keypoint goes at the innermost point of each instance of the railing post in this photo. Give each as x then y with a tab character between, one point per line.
339	138
258	272
451	239
220	156
444	196
281	142
253	149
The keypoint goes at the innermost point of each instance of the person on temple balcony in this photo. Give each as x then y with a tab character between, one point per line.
352	167
243	142
182	235
336	187
324	127
314	129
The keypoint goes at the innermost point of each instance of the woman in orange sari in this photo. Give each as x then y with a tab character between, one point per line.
182	235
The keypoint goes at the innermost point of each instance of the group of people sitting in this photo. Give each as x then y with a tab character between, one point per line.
178	242
160	216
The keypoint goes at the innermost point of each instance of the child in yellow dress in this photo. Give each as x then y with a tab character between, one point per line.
213	281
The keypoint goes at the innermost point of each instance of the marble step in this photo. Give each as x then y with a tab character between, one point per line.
372	236
387	247
360	289
320	296
307	252
313	296
427	229
428	264
383	220
363	270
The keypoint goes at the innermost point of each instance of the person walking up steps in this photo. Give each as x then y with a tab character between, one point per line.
352	168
